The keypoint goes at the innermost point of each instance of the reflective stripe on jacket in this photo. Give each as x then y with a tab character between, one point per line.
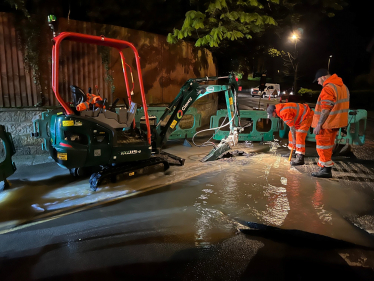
338	116
292	113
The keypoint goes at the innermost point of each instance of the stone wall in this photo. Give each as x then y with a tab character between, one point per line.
18	122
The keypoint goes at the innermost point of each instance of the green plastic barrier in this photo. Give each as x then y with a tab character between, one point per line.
254	135
283	133
178	133
349	135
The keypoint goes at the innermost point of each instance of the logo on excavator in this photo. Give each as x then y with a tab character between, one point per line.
130	152
187	103
180	114
210	89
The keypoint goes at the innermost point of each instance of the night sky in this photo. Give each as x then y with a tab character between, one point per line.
346	37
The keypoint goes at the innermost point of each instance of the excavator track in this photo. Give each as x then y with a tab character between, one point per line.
111	172
173	160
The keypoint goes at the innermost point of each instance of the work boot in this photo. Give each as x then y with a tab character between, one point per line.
324	172
298	161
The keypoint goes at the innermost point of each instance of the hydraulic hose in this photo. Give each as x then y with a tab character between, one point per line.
208	142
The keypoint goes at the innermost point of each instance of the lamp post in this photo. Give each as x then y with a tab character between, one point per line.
328	64
294	61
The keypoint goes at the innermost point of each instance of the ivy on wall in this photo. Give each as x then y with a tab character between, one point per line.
29	31
106	31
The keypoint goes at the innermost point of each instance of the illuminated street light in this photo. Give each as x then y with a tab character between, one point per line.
294	37
328	65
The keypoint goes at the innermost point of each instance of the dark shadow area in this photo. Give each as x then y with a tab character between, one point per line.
291	254
284	262
297	238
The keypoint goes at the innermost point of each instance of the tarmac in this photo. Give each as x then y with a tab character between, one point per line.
251	217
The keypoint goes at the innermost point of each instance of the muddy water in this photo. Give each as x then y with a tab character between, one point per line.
262	188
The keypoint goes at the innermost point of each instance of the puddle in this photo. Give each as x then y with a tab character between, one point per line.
262	188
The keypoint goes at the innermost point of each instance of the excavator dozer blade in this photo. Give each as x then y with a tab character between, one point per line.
216	152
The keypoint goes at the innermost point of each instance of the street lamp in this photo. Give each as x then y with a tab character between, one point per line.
294	37
328	65
294	59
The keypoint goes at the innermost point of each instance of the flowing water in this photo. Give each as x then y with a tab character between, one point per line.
260	188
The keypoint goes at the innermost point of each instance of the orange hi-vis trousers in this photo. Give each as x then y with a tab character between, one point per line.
301	133
325	145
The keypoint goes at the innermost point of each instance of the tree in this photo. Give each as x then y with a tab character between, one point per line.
234	29
224	20
230	20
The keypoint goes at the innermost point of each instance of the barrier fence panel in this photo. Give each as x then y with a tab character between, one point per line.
258	118
179	133
260	129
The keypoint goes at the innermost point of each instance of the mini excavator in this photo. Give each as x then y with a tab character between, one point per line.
104	140
7	150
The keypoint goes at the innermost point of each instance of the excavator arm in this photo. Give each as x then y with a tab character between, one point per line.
191	91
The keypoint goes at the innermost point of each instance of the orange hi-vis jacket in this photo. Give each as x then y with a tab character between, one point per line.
91	99
292	113
335	97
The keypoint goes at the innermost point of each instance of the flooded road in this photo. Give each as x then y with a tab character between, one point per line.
251	217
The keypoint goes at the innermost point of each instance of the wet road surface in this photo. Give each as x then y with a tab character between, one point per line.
248	218
246	102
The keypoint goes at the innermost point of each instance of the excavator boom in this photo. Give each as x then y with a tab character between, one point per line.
191	91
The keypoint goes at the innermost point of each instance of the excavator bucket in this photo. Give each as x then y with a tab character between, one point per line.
224	146
216	152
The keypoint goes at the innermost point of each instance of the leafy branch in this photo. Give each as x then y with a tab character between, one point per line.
223	20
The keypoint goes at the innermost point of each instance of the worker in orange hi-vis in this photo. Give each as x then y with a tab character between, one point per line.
299	118
331	113
91	99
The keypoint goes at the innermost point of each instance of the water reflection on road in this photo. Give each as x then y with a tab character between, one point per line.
261	188
266	190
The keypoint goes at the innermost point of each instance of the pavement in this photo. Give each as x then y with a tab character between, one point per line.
30	160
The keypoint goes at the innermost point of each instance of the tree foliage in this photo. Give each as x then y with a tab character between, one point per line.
224	20
230	20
